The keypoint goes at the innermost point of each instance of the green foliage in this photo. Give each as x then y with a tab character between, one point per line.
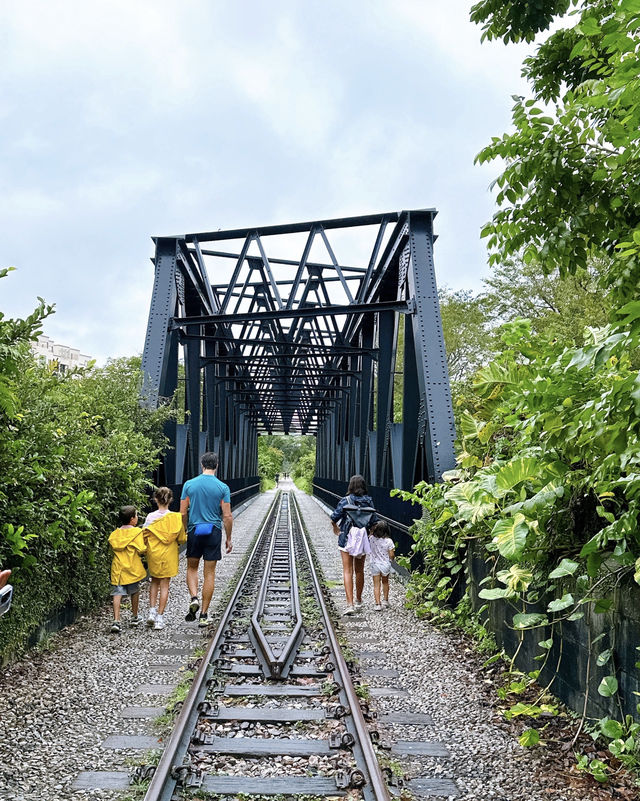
570	189
548	484
270	461
291	454
73	449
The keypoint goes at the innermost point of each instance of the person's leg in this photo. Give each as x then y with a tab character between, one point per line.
192	576
208	584
376	588
358	564
135	599
385	587
347	575
164	594
117	600
153	592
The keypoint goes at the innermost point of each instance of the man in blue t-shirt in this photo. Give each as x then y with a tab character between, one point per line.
205	505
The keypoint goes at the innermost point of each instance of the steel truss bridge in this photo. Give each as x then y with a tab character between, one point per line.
330	328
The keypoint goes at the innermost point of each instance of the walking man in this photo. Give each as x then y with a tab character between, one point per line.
205	505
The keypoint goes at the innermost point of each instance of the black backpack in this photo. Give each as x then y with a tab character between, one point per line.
359	514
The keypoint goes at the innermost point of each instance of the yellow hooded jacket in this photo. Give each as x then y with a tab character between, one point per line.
163	537
127	544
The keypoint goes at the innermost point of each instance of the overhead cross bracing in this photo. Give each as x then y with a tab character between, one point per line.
295	329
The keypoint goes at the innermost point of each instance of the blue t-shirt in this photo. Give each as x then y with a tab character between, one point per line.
205	493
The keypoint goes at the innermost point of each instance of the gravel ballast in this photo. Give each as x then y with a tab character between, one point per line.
58	707
438	675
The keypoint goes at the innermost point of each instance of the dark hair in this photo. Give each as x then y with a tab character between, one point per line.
357	486
209	461
380	529
163	495
126	514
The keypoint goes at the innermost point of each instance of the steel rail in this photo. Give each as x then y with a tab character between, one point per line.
275	665
378	783
163	783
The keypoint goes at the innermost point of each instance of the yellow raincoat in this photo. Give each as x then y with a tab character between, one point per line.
127	544
163	537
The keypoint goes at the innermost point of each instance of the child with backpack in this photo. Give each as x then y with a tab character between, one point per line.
351	519
163	533
127	570
382	552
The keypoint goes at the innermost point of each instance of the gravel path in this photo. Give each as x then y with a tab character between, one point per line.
58	707
441	678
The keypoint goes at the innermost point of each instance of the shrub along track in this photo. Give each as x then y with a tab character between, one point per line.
274	668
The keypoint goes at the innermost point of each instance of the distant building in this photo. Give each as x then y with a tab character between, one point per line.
62	357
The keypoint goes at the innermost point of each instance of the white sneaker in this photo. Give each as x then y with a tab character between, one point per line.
385	604
357	605
159	623
153	614
349	610
378	607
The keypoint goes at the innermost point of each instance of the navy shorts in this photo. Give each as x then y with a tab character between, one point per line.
207	547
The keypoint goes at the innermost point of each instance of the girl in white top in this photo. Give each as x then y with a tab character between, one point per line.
382	552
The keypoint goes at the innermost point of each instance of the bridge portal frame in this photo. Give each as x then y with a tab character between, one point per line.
316	376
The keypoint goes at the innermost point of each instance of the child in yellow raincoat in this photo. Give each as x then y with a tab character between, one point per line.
127	570
163	533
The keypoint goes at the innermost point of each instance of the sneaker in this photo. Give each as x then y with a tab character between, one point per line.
158	623
116	628
378	607
134	622
153	614
385	604
357	605
349	610
203	620
193	608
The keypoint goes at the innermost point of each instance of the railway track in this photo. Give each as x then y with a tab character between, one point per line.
275	669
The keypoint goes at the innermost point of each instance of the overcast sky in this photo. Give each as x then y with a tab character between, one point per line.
120	120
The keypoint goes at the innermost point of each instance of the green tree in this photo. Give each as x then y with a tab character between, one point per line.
270	461
73	449
570	190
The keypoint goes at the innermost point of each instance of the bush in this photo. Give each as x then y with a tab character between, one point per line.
73	449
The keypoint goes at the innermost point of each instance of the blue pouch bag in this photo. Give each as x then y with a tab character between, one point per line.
204	529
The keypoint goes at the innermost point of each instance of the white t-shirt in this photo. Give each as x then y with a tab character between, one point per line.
380	547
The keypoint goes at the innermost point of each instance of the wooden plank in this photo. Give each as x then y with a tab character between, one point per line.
277	715
272	785
427	788
257	746
406	718
139	741
102	780
134	712
273	691
419	748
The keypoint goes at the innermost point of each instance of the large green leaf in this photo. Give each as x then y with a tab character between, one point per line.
515	472
495	593
526	621
529	737
565	568
472	502
561	603
608	686
510	535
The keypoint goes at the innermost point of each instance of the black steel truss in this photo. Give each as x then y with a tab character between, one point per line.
310	345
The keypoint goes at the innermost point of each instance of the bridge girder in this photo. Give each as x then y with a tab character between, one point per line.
304	345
